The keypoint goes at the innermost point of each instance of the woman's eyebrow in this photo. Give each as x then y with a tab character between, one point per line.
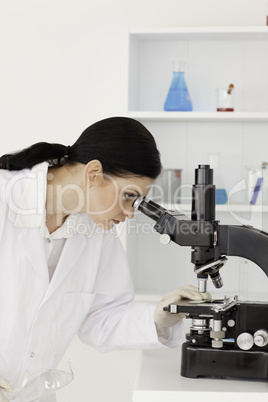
134	191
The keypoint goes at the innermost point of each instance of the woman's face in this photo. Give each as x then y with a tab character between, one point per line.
110	199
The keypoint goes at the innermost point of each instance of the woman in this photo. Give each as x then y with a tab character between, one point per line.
62	270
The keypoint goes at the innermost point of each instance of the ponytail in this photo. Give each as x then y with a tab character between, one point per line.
55	154
123	145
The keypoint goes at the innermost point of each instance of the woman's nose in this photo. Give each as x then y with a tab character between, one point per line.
129	213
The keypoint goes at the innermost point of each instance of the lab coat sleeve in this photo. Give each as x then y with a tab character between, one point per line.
115	320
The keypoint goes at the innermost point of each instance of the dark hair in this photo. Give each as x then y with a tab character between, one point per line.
123	146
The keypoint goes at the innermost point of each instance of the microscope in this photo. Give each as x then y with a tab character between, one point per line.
228	337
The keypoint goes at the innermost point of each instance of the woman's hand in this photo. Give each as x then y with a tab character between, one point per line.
163	319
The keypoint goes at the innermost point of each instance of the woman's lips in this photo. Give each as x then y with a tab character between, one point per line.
116	221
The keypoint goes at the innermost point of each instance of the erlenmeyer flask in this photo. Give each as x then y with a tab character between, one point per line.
178	98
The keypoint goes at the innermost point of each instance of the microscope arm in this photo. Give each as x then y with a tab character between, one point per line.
210	241
246	242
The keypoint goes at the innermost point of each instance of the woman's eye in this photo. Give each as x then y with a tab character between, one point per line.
129	196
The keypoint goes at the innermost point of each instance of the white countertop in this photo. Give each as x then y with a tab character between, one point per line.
159	380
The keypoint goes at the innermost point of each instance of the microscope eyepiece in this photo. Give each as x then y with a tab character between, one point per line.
148	207
136	202
204	175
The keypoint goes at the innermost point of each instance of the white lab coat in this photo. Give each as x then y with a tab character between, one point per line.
90	293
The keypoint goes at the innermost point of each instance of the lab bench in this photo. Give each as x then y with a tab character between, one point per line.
159	380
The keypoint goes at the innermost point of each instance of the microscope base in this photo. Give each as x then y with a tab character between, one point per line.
202	361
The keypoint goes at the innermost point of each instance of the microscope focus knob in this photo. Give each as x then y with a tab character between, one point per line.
165	239
261	338
245	341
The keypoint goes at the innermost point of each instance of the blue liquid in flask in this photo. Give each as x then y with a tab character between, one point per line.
221	196
178	98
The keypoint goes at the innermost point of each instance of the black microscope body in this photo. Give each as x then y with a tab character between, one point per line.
227	338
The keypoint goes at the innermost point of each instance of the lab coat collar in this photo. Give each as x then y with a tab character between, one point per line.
26	196
34	250
70	254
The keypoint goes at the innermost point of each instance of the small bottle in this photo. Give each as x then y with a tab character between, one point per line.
225	99
178	98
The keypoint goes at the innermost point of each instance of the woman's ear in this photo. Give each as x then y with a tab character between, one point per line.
93	173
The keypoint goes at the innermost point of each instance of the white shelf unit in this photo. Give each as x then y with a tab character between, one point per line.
215	57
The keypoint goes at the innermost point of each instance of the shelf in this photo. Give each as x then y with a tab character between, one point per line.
201	33
200	116
221	208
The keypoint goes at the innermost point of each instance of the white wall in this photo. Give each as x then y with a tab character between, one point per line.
64	63
63	66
